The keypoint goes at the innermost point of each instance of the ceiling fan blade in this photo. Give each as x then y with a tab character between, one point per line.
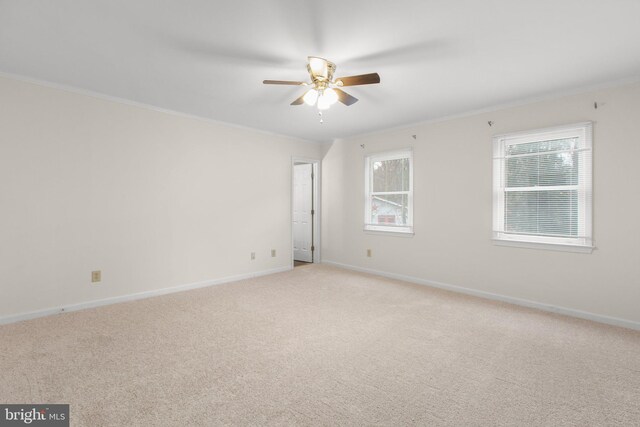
345	98
283	82
300	100
363	79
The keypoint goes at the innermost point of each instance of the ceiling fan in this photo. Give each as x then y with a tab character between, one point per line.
325	90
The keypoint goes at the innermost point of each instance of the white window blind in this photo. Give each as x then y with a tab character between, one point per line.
389	192
543	186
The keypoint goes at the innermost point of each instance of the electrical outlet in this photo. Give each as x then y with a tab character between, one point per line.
253	256
96	276
273	253
369	253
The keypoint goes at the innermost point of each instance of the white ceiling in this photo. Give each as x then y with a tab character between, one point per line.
208	58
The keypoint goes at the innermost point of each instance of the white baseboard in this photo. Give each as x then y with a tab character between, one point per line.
140	295
497	297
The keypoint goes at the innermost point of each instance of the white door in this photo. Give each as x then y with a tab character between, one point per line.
302	212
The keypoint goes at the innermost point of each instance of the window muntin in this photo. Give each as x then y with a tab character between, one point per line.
542	186
389	192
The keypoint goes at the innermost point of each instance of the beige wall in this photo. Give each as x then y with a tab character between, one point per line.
154	200
453	203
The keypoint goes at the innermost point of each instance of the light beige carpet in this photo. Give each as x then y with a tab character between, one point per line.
323	346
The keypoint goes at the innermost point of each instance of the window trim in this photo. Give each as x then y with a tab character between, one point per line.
584	241
384	229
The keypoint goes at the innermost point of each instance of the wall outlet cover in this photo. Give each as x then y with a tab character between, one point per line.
96	276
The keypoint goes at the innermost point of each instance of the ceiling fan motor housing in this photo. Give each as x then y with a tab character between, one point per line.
320	69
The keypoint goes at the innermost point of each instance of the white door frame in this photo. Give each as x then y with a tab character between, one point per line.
317	177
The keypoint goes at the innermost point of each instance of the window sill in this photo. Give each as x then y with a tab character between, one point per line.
545	246
389	232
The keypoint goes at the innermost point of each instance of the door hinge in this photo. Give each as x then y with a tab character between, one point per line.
313	248
313	212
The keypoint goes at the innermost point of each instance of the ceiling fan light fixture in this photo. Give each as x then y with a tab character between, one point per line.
325	91
311	97
323	105
330	95
323	102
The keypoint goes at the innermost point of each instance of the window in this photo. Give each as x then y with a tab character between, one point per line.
542	188
389	192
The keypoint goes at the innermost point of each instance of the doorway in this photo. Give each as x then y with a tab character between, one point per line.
305	212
